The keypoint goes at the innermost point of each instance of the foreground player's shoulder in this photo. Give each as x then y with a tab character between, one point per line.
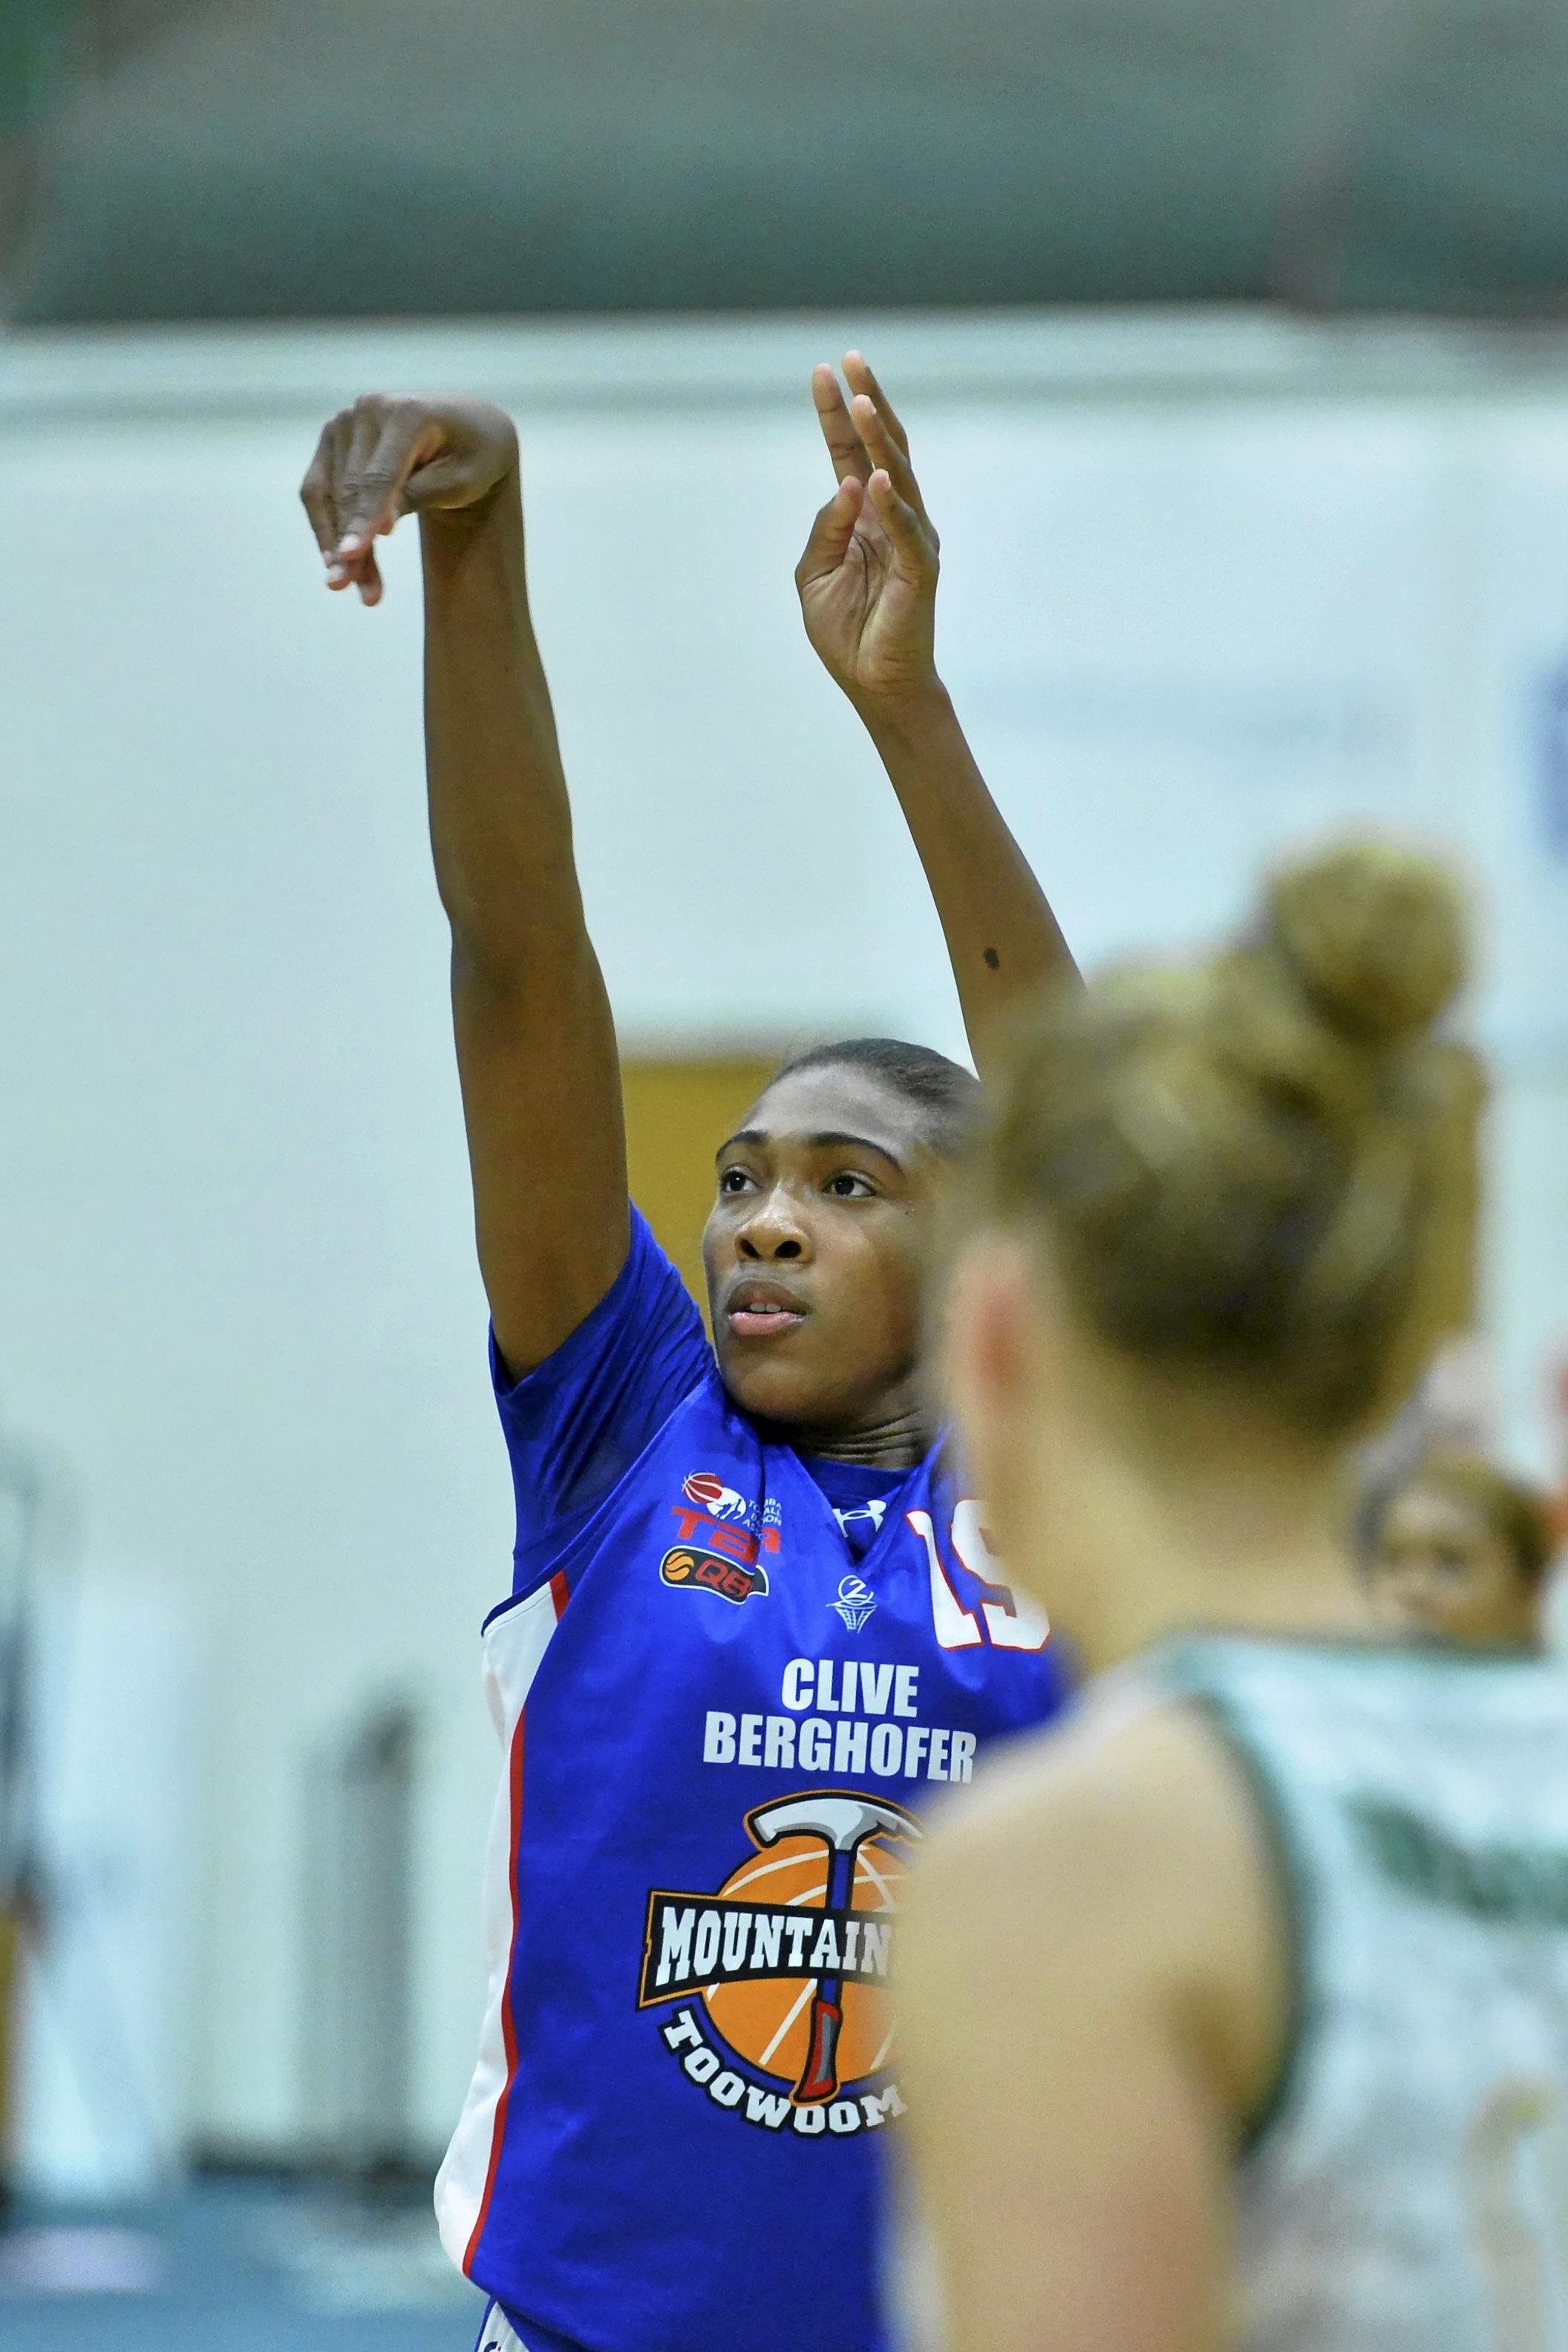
1117	1862
1064	2048
1087	1801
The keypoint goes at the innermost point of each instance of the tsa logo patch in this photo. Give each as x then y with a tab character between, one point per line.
855	1602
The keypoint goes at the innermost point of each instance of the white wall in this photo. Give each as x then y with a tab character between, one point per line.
1208	586
106	2082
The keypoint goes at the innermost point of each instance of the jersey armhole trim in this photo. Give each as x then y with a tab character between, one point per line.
1296	1892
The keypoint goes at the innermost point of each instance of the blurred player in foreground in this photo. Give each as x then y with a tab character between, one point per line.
1237	2012
1457	1551
752	1624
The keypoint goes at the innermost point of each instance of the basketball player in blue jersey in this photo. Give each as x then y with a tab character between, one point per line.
753	1625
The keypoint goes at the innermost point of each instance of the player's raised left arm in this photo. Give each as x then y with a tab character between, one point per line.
868	590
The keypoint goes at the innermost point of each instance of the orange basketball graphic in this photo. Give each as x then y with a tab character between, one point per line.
769	2023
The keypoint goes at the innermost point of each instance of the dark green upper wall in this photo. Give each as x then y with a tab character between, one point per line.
35	50
328	158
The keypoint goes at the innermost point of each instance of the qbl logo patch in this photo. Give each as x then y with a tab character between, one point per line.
709	1571
781	1972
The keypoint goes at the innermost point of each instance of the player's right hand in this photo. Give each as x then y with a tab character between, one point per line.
388	456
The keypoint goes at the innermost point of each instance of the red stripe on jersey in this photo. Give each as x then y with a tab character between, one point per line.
559	1594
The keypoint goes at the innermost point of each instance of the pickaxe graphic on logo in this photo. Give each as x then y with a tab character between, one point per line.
843	1823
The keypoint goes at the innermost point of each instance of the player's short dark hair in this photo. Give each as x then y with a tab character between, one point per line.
944	1090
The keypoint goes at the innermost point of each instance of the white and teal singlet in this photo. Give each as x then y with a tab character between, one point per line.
1408	2190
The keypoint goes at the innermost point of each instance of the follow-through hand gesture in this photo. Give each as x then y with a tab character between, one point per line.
386	457
868	579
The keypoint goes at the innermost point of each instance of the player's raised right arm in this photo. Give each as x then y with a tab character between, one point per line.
536	1044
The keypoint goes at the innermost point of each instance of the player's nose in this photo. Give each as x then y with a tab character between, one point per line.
774	1233
1419	1593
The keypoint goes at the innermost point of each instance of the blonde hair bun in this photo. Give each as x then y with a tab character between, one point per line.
1260	1169
1375	934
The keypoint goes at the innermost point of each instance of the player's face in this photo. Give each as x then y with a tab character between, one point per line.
813	1252
1442	1572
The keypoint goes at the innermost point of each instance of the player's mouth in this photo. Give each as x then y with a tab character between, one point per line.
762	1310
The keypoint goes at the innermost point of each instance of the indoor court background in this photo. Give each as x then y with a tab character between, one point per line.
1233	357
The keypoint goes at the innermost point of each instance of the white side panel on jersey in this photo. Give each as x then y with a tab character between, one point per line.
514	1645
498	2334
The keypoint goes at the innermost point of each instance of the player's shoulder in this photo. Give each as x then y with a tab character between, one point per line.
1107	1840
1108	1769
1117	1862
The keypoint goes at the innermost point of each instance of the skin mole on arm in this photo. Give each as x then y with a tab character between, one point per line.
993	958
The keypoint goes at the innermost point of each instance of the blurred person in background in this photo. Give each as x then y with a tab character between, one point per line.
1457	1549
753	1618
1235	2011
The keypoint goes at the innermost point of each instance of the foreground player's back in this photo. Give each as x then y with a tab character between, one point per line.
1409	2188
1222	1218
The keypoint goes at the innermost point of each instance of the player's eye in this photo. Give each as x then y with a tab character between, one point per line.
846	1187
732	1180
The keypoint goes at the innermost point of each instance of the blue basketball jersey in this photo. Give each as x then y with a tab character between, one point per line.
722	1729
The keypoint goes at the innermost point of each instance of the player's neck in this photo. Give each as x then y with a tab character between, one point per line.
1229	1529
896	1443
1284	1579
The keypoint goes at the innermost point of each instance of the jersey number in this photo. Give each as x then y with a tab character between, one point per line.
1010	1623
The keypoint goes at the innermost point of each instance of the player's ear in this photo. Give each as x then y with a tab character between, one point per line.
999	1364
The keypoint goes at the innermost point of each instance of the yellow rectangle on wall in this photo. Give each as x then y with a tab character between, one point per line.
678	1114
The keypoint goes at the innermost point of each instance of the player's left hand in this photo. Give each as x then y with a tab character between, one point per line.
868	579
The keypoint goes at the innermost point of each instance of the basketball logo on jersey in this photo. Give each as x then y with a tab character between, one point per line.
728	1505
710	1495
781	1972
855	1602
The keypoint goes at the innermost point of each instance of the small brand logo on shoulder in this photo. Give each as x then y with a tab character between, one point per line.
855	1602
684	1566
